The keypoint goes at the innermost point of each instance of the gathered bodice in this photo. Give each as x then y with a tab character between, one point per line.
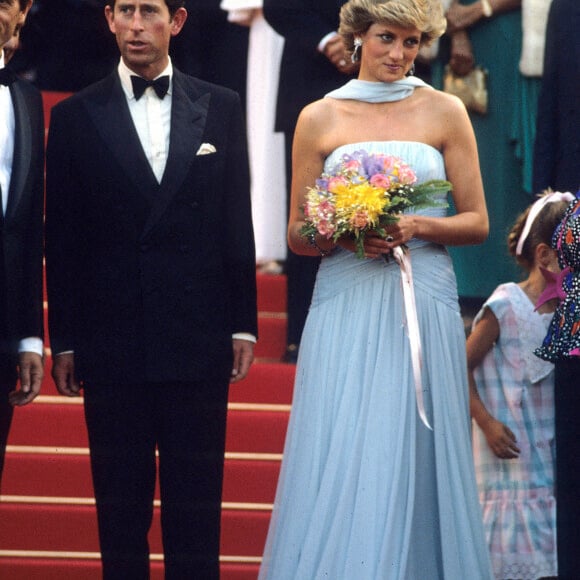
432	267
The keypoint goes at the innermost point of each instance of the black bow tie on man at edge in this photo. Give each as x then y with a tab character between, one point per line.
7	77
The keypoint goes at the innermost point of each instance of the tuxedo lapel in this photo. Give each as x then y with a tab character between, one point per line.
22	150
113	121
188	118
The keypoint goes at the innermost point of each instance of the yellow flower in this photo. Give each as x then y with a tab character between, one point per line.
352	200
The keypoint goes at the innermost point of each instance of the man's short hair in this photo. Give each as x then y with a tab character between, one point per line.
172	5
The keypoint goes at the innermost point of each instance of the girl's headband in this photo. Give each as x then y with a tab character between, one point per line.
534	212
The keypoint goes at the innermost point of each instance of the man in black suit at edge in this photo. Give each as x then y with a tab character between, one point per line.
152	288
21	231
313	63
557	165
557	141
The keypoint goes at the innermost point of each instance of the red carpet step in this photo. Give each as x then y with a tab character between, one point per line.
62	425
71	569
47	516
58	475
66	528
271	293
267	383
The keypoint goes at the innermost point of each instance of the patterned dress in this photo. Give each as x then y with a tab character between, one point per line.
563	337
517	495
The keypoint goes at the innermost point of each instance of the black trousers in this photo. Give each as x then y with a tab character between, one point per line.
186	423
7	384
300	270
567	400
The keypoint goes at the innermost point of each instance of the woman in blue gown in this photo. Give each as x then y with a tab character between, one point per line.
377	480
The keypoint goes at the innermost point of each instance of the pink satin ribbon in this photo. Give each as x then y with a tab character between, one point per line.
404	262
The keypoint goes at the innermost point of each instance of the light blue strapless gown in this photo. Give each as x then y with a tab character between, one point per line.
366	491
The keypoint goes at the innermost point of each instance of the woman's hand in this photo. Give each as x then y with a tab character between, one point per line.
376	245
461	59
402	231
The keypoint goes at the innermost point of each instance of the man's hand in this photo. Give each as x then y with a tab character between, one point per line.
63	374
243	358
31	371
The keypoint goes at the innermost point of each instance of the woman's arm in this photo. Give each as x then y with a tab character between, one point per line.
307	165
463	16
449	121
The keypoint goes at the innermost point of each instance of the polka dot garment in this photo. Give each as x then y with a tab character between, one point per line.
563	337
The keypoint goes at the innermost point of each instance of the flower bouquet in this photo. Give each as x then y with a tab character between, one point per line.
365	192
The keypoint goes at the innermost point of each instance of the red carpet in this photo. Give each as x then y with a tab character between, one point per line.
47	518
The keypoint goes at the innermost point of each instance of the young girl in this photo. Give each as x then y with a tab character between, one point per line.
512	402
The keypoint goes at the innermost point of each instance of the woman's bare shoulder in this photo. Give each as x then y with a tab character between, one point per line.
444	102
443	114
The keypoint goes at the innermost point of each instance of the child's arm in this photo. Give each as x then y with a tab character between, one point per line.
499	437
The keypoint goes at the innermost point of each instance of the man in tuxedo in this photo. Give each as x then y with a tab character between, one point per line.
21	231
151	287
313	63
557	143
211	48
66	45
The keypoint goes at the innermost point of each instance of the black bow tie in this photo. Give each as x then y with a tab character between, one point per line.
160	86
7	77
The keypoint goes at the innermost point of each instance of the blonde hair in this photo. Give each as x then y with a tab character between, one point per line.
357	16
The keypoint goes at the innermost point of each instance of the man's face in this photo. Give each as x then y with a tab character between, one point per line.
11	16
143	29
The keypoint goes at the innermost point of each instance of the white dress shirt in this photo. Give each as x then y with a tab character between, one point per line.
7	127
152	118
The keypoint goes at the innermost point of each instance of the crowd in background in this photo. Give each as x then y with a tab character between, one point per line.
229	42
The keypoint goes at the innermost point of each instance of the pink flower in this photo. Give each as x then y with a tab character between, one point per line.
389	163
326	208
360	219
406	175
352	165
381	180
325	228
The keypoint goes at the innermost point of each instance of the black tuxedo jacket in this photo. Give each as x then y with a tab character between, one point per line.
306	75
21	229
557	145
148	281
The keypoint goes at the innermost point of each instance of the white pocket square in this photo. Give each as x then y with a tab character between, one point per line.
206	149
